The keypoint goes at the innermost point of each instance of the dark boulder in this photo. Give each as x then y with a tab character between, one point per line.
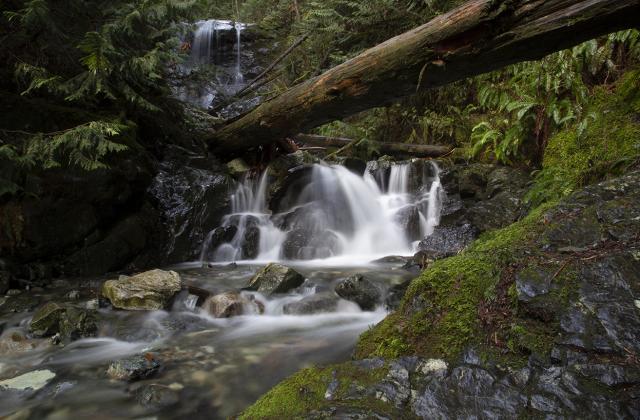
251	243
361	291
446	241
318	303
191	193
134	368
408	218
395	295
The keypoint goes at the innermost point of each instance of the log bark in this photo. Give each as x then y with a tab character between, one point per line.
386	148
477	37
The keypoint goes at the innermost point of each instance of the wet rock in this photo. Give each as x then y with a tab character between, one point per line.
357	166
499	211
580	232
157	396
134	368
33	381
318	303
226	305
408	218
77	323
46	320
296	240
221	235
251	243
332	388
392	259
237	167
472	180
447	241
184	186
275	278
533	282
359	290
15	343
5	284
395	295
610	375
151	290
120	245
69	322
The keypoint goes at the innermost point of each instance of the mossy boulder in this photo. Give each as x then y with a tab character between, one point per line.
151	290
70	322
46	319
237	167
275	278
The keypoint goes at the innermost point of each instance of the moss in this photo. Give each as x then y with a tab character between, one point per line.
438	316
304	392
608	144
299	394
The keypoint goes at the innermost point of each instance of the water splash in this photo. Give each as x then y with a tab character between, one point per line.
336	216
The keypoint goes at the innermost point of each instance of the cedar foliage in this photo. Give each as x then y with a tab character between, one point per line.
111	59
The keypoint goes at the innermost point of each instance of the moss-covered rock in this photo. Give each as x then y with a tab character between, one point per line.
275	278
46	319
151	290
70	322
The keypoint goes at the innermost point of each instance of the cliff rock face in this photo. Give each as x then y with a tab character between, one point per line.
538	319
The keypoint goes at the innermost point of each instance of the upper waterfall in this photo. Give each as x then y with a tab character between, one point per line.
337	216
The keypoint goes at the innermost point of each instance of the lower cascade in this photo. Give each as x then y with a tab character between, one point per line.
332	214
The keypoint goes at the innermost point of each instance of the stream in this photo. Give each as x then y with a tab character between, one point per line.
216	367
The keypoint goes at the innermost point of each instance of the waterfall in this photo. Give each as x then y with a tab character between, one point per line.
206	40
336	216
239	76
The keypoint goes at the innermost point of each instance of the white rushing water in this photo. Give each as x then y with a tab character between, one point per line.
337	217
211	47
239	76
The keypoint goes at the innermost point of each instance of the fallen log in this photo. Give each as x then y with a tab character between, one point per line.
386	148
477	37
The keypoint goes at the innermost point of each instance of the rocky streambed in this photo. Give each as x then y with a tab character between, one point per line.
203	342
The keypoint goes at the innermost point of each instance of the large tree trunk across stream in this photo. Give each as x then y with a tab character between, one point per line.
387	148
477	37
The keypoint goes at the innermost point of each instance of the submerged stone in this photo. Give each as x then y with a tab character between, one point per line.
318	303
275	278
157	395
151	290
134	368
34	380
